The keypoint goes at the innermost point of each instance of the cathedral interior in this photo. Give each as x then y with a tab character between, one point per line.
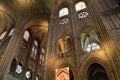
59	39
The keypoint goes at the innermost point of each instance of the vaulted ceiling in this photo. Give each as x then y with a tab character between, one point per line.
33	14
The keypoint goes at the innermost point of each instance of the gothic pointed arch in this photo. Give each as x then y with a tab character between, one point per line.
13	65
35	54
64	45
90	39
97	72
84	70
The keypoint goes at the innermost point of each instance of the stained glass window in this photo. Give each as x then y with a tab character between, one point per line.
28	74
79	6
63	12
83	14
64	21
18	69
90	41
26	36
34	50
3	35
42	54
92	47
11	32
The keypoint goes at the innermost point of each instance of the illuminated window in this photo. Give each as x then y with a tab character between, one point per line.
80	6
92	47
90	41
3	35
37	77
34	50
8	37
42	54
26	36
18	69
11	32
64	21
83	14
63	12
28	74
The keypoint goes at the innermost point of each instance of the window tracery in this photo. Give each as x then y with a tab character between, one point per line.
81	9
90	41
63	16
28	74
83	14
64	20
92	47
18	69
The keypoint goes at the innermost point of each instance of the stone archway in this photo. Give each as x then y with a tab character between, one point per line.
103	65
13	65
96	72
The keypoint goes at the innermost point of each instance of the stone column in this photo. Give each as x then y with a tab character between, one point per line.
47	74
9	53
76	46
22	77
